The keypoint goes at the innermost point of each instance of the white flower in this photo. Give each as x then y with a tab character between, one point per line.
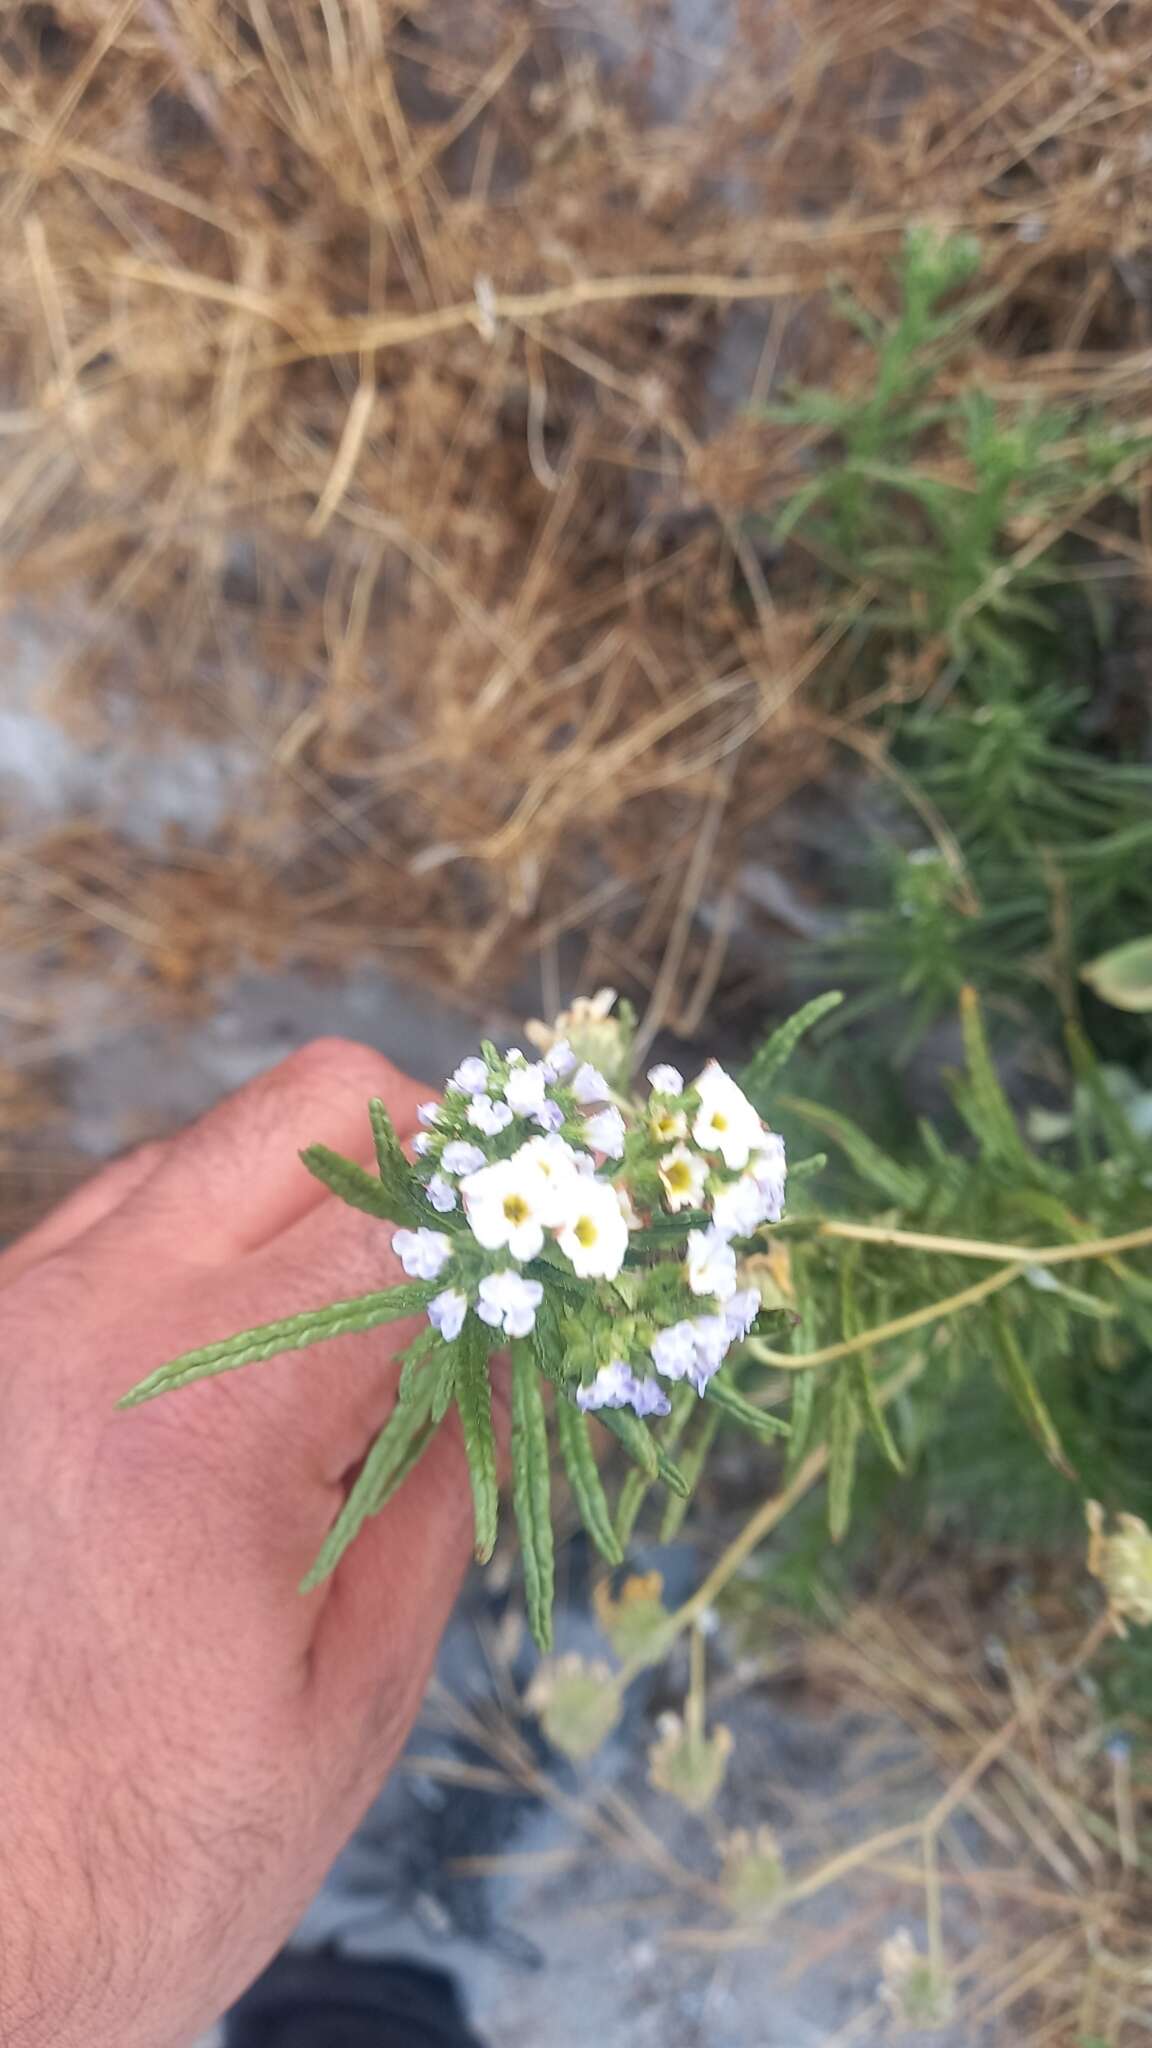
711	1264
740	1312
459	1156
665	1080
515	1057
593	1235
422	1143
674	1351
559	1060
549	1116
616	1386
667	1125
488	1116
683	1174
429	1112
422	1253
604	1132
524	1090
509	1203
509	1302
558	1164
471	1076
726	1121
628	1209
441	1193
649	1398
712	1342
742	1206
589	1085
769	1168
446	1313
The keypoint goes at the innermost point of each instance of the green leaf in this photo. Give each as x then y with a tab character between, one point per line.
723	1395
802	1415
1123	975
901	1184
474	1400
531	1492
842	1437
395	1173
293	1333
800	1170
692	1462
778	1049
633	1494
400	1445
1021	1382
641	1447
584	1479
981	1099
444	1386
395	1202
870	1412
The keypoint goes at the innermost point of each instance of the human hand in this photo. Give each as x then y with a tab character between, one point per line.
187	1742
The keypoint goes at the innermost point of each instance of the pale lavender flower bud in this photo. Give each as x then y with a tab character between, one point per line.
674	1351
559	1061
605	1132
549	1116
446	1313
665	1080
459	1157
649	1398
613	1387
471	1076
740	1312
589	1085
429	1112
488	1116
421	1144
422	1253
441	1193
712	1341
509	1302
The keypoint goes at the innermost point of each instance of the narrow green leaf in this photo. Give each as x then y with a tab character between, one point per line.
981	1099
531	1491
758	1420
633	1494
292	1333
842	1435
415	1359
1021	1382
444	1385
802	1415
801	1170
394	1201
395	1171
584	1479
400	1445
870	1412
778	1049
692	1461
903	1184
474	1400
642	1447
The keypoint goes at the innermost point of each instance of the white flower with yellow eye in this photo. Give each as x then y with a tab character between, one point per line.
682	1175
509	1204
594	1234
558	1164
711	1264
667	1124
726	1121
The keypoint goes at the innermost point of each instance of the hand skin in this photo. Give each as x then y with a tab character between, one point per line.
186	1741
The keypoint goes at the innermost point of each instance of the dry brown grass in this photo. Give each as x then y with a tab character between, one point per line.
377	390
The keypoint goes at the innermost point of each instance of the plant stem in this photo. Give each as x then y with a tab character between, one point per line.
800	1361
985	1248
761	1524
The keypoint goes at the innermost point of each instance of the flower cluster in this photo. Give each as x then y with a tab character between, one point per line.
537	1171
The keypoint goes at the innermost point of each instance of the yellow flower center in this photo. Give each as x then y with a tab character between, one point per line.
678	1177
585	1232
719	1120
516	1209
665	1124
